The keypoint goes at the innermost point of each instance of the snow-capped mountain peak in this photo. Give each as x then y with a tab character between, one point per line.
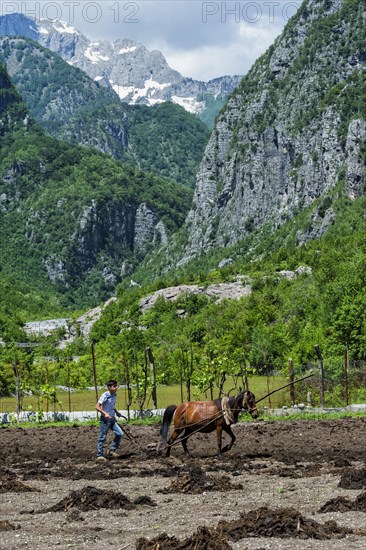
136	74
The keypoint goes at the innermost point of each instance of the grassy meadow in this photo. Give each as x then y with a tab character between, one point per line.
84	400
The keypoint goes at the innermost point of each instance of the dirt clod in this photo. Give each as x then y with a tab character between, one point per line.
195	482
5	525
92	498
353	479
343	504
14	486
203	539
282	523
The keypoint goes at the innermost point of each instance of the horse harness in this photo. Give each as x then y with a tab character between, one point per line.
227	411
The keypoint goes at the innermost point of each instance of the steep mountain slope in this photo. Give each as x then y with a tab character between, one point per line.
164	139
292	131
74	218
136	74
54	92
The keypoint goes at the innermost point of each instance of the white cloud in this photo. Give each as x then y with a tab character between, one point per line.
232	57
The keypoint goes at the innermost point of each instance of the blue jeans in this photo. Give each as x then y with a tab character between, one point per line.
105	425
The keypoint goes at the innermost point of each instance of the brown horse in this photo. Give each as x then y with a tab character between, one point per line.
206	416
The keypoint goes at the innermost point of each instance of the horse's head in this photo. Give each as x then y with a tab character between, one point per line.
248	404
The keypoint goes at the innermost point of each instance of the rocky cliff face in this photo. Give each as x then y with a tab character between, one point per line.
293	130
137	75
107	238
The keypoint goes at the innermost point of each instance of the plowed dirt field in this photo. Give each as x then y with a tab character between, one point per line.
284	485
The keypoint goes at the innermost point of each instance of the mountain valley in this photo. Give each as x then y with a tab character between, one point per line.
137	75
69	105
280	189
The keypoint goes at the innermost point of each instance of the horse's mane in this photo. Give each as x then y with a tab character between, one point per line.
233	401
236	403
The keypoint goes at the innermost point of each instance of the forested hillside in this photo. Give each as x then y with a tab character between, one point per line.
279	205
74	220
301	297
53	90
281	187
163	139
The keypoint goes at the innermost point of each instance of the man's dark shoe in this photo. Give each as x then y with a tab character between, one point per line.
112	454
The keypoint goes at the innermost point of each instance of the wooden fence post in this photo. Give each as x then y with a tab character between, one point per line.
321	374
17	389
153	378
345	362
68	381
94	371
128	387
47	379
292	387
267	375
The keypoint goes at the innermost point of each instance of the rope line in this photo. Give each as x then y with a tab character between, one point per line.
282	387
180	439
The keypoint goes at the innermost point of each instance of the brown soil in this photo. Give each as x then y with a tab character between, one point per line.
5	525
196	482
264	494
282	523
353	479
204	539
343	504
14	486
92	498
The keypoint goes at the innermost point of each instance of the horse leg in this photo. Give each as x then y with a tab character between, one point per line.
186	434
219	438
171	441
228	430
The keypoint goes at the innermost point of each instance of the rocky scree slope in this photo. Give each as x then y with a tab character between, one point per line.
293	130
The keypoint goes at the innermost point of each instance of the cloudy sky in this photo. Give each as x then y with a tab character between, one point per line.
200	39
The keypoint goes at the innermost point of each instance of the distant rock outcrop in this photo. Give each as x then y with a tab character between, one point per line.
220	291
70	328
83	324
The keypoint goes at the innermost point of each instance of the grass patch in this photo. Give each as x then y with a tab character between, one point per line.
313	416
84	400
243	418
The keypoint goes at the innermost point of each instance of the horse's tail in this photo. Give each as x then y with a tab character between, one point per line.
167	418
